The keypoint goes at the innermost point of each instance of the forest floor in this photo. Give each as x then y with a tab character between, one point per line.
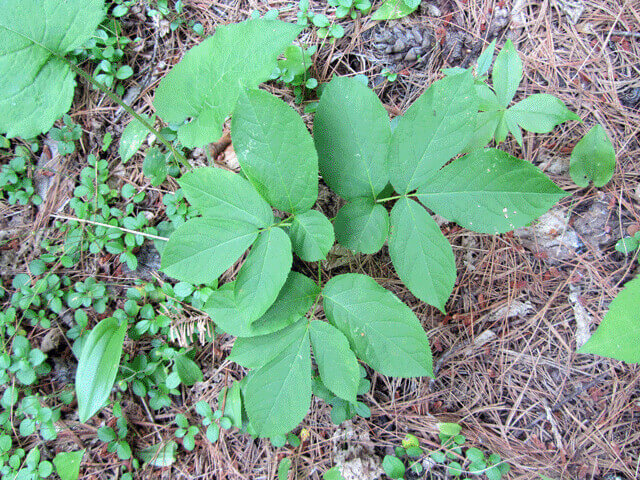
505	353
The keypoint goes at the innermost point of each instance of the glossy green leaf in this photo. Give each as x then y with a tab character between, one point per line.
362	225
352	133
276	151
382	331
541	113
188	371
421	254
484	60
217	193
201	91
68	464
278	395
393	467
392	9
36	85
507	73
311	235
201	249
133	136
257	286
255	352
593	159
489	191
98	366
434	129
337	364
618	335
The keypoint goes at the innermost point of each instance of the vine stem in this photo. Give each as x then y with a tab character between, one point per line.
382	200
181	158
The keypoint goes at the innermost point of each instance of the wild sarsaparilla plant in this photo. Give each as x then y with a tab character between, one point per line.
386	177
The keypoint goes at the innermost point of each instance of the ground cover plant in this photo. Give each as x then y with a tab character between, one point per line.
298	332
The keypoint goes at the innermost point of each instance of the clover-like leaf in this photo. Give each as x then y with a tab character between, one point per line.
275	151
382	331
36	83
201	91
489	191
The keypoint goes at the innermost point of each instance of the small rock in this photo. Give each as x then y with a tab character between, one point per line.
353	454
51	340
571	8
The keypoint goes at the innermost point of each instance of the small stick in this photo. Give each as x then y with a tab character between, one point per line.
81	220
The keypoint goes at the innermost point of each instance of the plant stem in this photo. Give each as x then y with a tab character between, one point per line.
181	158
91	222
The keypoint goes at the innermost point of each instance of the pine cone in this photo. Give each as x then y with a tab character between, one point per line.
402	45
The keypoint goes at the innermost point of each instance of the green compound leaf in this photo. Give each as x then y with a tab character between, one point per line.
133	137
294	300
618	335
486	125
507	73
275	151
489	191
421	254
484	60
201	91
36	86
201	249
256	288
311	235
352	133
541	113
217	193
435	128
337	364
255	352
278	395
98	366
392	9
362	225
382	331
593	159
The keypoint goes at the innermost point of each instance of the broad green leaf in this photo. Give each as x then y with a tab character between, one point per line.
133	136
433	130
382	331
201	91
489	191
513	126
333	474
36	86
232	399
421	254
593	159
488	101
154	166
275	151
161	455
283	468
337	364
392	9
362	225
296	297
541	113
502	130
484	60
507	73
256	288
393	467
486	125
255	352
311	235
217	193
352	132
68	464
618	335
201	249
188	371
278	395
98	366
